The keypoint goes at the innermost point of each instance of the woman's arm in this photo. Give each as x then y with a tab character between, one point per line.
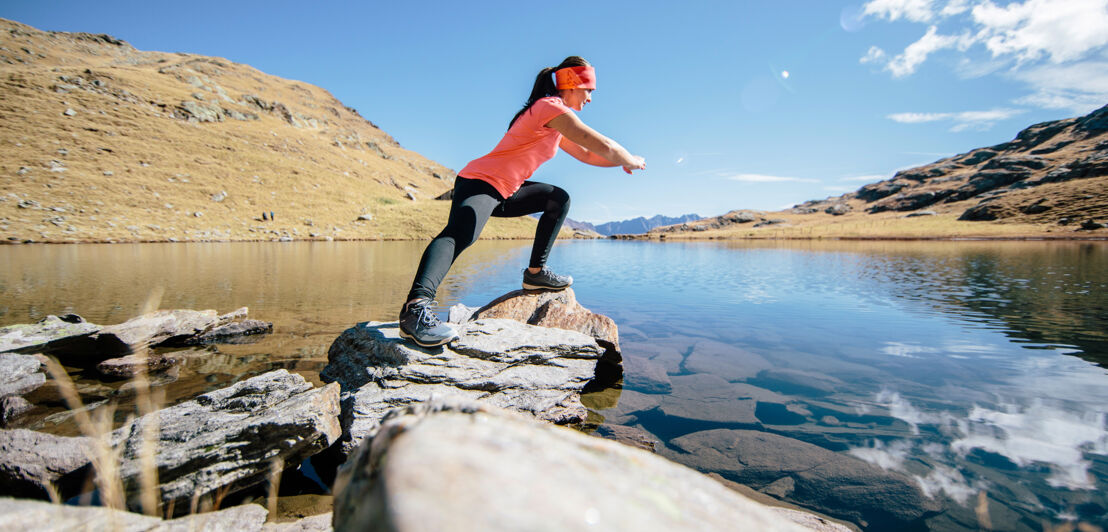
588	146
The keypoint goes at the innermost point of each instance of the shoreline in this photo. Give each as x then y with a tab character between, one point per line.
660	239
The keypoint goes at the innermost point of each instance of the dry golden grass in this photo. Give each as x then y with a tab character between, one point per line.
136	170
1078	200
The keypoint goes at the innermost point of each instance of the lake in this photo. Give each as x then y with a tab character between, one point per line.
975	369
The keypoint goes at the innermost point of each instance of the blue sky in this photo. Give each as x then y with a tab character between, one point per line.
697	88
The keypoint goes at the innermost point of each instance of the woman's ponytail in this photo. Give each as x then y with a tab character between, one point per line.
544	84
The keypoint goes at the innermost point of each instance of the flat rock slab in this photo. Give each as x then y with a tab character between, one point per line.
726	361
471	467
21	514
49	333
135	364
537	370
20	374
837	484
31	461
227	439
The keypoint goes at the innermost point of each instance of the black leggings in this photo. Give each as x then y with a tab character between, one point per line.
476	200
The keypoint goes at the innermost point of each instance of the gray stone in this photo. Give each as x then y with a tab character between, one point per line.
635	437
315	523
838	209
30	462
49	333
12	407
20	374
537	370
724	360
644	375
460	313
226	440
234	332
140	363
194	111
20	514
245	518
834	483
33	515
471	467
156	328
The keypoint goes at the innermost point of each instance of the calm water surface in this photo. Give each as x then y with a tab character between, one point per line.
973	368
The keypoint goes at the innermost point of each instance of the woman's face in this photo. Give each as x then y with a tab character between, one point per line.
576	98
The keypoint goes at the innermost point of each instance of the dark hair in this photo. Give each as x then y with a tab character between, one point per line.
544	84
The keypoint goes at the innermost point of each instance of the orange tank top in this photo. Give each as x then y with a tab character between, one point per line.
526	145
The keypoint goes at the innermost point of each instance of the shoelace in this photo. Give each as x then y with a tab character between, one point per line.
426	314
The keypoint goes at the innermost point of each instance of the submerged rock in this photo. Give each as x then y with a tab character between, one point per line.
536	370
234	332
226	440
32	462
465	466
836	484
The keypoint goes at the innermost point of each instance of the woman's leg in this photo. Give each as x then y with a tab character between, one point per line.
474	200
551	201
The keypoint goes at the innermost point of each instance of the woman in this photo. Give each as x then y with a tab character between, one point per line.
497	185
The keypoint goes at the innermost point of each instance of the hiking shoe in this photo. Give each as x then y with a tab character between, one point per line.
419	323
545	280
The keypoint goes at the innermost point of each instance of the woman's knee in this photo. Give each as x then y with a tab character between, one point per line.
558	200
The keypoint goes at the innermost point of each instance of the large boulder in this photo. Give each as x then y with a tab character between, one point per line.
536	370
32	463
466	466
837	484
228	439
20	374
559	310
36	515
155	328
49	333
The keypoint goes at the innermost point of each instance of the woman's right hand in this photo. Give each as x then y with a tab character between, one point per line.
638	164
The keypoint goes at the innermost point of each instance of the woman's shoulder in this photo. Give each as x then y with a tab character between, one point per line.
546	108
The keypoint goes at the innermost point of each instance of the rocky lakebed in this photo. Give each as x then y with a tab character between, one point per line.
496	431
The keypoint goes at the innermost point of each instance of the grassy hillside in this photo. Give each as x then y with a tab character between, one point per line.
1051	181
103	142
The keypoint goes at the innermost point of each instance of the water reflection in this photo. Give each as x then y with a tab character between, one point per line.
967	368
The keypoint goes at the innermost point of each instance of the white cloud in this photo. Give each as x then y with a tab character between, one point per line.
874	55
759	178
961	121
1079	87
914	10
889	457
917	52
1064	30
1047	44
946	480
1039	434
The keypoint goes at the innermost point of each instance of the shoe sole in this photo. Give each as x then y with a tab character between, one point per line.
527	286
404	334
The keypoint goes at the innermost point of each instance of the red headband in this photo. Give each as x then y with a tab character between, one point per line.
578	77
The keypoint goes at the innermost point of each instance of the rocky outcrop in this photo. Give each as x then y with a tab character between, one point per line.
834	483
536	370
48	334
226	440
71	338
33	515
559	310
32	463
465	466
